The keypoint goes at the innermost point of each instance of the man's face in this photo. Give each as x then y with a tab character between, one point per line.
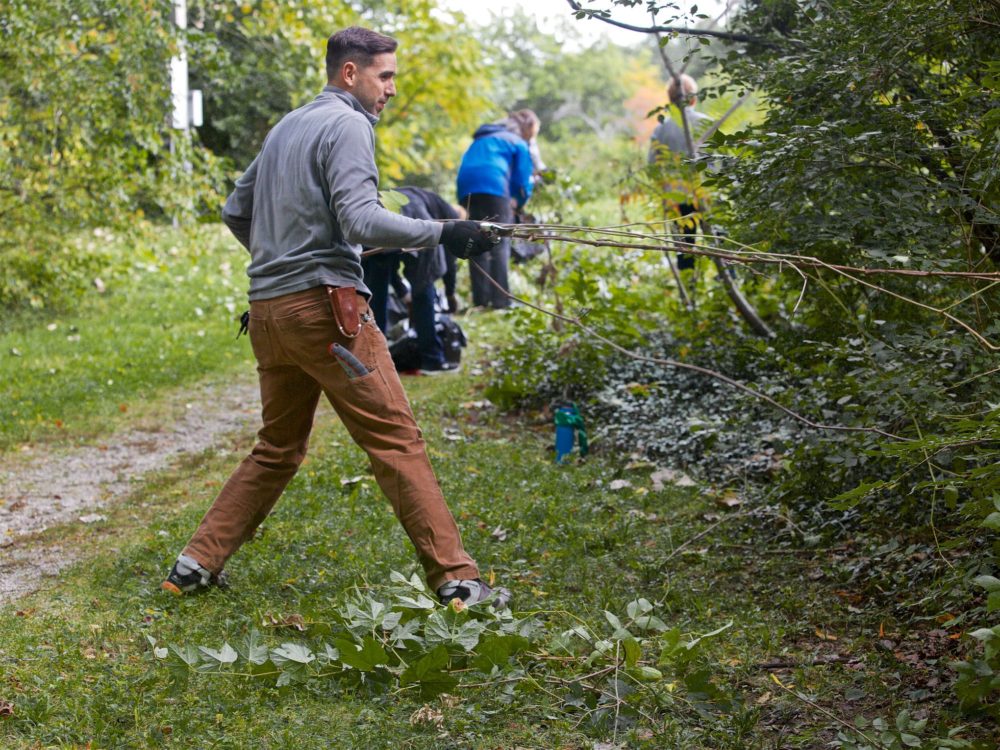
375	84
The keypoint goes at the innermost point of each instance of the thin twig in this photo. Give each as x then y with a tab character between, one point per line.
672	29
718	123
825	712
940	311
796	664
618	700
676	551
807	261
934	493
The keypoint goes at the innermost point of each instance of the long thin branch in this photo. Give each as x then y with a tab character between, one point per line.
718	123
961	323
798	664
845	271
825	712
676	551
690	31
743	258
687	366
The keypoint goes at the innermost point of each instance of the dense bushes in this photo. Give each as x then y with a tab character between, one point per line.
862	163
85	97
85	104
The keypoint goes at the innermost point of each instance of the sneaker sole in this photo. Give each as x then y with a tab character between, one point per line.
172	588
501	600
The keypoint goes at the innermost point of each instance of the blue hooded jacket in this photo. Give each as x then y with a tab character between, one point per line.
497	163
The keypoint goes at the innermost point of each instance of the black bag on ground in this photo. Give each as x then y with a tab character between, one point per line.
405	351
452	337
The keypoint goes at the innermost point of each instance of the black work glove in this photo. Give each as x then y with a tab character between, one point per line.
466	239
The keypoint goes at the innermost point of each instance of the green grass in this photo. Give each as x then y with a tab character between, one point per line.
165	319
78	668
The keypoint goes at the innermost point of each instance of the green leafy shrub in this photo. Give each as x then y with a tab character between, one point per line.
400	639
905	732
84	144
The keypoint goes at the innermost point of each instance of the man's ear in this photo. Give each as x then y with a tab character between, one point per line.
349	73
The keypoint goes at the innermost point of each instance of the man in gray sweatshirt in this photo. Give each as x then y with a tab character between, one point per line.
303	209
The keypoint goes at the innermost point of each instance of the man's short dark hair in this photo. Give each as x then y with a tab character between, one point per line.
357	45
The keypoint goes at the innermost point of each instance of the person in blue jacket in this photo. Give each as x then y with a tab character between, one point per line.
494	180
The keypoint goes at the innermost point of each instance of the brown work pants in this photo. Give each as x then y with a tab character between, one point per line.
291	336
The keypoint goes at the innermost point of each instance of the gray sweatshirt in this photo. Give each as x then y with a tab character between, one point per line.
670	135
309	201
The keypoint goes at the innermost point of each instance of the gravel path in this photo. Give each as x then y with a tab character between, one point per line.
43	486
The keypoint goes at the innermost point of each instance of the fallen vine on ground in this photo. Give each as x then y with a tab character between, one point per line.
398	639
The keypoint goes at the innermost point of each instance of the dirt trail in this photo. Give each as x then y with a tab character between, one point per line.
43	486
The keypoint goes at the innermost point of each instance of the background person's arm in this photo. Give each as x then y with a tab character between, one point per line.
520	175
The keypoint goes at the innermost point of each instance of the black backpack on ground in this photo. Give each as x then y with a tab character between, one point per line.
405	351
452	337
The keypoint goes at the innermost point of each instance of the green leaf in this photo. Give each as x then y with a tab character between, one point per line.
393	200
188	654
226	655
291	653
693	643
433	661
420	602
984	634
633	651
903	720
330	655
406	631
496	650
649	622
993	601
613	620
580	632
365	657
417	583
847	500
253	649
450	630
646	674
396	577
435	683
637	608
992	521
989	583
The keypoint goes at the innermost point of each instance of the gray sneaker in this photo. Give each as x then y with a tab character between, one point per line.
187	576
473	592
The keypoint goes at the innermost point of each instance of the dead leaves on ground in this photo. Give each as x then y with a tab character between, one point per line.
293	621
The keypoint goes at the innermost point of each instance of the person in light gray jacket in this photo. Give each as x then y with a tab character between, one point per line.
303	209
669	149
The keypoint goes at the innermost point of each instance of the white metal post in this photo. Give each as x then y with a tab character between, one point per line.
181	119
